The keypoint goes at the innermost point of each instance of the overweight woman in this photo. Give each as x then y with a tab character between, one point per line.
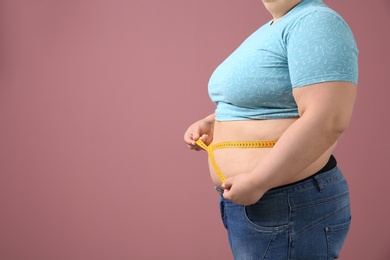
283	99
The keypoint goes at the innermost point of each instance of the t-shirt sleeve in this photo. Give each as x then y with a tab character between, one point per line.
321	48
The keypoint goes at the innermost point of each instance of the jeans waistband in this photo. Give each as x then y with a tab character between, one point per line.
317	180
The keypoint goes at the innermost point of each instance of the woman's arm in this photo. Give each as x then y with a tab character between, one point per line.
202	129
325	111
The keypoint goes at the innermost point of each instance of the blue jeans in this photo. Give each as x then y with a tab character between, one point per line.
307	220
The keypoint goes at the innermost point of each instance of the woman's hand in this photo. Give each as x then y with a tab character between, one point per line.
202	129
242	189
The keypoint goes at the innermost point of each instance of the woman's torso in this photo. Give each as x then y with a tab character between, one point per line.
234	161
257	80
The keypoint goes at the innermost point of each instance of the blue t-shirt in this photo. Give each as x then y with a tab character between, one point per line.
308	45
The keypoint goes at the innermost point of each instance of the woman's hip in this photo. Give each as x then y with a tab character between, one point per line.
312	213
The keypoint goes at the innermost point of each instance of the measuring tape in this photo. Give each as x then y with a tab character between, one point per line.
239	144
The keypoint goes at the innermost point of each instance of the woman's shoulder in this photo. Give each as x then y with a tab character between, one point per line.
320	16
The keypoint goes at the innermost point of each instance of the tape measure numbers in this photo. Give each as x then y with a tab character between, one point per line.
223	145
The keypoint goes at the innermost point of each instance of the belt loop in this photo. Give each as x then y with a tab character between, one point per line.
319	183
219	190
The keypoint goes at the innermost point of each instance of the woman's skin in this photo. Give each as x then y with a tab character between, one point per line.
303	145
278	8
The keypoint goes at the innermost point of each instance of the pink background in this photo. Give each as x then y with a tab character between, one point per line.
94	99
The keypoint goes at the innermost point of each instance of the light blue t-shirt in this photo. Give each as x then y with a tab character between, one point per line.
310	44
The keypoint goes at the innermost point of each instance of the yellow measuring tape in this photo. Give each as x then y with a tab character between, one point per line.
239	144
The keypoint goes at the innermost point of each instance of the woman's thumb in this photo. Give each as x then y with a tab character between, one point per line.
227	184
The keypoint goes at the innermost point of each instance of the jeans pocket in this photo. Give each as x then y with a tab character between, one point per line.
335	236
266	234
268	221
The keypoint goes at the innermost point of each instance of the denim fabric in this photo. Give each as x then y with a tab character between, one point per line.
308	220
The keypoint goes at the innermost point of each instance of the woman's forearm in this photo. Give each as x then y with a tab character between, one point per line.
210	118
301	145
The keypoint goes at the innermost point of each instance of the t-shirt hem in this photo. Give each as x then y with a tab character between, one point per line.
327	78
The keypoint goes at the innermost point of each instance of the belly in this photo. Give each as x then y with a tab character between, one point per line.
234	161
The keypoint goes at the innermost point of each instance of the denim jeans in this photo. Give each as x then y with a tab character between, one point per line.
307	220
